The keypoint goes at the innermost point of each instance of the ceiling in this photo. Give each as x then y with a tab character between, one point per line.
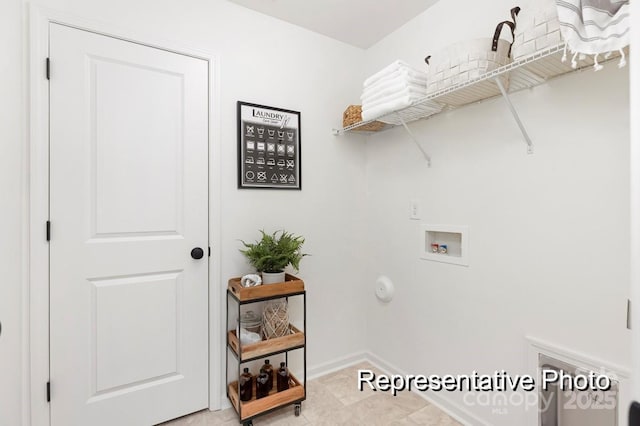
361	23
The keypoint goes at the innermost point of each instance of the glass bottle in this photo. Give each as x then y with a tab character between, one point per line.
268	369
262	385
283	378
246	385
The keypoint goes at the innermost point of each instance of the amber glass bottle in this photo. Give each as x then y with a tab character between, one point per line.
246	386
283	378
268	369
262	385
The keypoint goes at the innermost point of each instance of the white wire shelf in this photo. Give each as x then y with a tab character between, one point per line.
524	73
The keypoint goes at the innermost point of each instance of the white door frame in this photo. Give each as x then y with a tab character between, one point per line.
635	197
36	300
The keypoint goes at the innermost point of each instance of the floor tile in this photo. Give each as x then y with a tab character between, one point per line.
432	416
335	400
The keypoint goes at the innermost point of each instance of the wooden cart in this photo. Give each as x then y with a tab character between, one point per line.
295	340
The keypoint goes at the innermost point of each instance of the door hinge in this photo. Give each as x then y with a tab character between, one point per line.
48	69
209	251
628	314
48	230
48	391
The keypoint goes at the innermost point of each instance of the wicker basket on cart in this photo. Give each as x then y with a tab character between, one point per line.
353	115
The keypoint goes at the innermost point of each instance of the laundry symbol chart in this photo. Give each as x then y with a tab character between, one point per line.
291	149
250	130
262	176
271	147
291	164
281	149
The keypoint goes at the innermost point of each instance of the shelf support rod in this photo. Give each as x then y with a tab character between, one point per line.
413	138
516	117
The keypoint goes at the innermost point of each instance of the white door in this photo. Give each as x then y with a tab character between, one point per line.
128	203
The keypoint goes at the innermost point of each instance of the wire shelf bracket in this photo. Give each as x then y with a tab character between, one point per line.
516	117
415	140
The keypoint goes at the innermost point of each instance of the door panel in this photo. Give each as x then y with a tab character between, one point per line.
126	167
128	202
135	342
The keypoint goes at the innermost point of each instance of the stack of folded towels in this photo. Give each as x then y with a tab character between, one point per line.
395	87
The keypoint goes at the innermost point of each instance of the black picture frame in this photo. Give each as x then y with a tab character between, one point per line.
269	147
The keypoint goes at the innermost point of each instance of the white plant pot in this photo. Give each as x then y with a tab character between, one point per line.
272	277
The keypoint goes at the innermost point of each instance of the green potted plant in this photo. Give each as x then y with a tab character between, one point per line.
274	252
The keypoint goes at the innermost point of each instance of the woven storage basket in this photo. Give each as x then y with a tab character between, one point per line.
275	320
536	29
353	115
470	59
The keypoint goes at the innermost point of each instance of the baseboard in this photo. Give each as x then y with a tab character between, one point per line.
335	365
456	411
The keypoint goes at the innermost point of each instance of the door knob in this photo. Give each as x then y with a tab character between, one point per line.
197	253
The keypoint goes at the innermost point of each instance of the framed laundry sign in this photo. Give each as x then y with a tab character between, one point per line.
268	147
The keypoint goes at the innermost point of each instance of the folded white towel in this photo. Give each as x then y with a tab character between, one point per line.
386	108
397	84
393	91
391	95
409	75
390	69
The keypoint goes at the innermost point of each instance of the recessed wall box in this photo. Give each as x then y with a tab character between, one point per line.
454	239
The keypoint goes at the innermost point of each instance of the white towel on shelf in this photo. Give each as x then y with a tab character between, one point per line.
387	107
402	75
392	95
392	90
390	69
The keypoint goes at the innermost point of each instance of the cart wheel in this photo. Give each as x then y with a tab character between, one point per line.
249	423
297	409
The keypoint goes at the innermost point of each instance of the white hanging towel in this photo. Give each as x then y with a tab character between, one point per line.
594	26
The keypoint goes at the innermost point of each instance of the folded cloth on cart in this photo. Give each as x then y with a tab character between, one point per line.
394	104
391	89
392	68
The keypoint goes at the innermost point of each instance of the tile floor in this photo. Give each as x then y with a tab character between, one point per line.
335	400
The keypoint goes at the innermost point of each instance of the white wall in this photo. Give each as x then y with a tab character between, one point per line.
262	60
549	232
